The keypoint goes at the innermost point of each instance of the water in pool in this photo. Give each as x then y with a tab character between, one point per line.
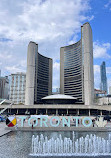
18	144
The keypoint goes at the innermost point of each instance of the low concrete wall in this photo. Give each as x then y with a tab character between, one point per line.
55	129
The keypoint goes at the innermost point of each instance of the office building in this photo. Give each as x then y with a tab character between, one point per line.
4	87
38	76
110	90
17	88
76	68
103	84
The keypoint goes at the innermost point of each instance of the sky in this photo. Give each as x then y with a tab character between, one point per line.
53	24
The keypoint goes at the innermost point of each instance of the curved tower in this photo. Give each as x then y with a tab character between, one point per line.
38	76
76	68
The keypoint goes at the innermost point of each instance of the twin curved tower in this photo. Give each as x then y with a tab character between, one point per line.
76	71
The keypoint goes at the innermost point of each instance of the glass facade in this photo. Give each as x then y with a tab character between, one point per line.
42	78
73	70
103	85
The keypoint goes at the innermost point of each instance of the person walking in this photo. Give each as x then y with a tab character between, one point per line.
32	125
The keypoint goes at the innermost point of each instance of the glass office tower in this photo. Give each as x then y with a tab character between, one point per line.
76	68
38	76
103	84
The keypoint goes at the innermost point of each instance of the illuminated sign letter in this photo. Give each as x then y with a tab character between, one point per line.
57	121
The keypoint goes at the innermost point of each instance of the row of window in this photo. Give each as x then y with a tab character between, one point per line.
17	92
76	45
72	54
72	58
17	88
73	74
74	95
18	98
73	78
73	90
79	83
72	68
72	63
73	49
75	82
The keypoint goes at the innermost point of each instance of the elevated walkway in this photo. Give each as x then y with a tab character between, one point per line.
58	106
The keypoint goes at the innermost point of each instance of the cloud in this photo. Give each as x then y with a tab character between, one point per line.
97	76
5	40
56	65
5	55
56	75
109	83
14	69
12	55
91	18
21	67
108	5
108	70
51	24
101	50
40	20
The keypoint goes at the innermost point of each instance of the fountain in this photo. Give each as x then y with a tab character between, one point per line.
91	145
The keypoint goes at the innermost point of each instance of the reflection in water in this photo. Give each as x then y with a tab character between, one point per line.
18	144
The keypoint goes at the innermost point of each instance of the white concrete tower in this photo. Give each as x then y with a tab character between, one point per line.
87	52
30	74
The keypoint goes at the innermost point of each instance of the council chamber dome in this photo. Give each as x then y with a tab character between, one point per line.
59	99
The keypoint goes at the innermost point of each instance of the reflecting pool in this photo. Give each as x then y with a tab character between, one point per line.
19	144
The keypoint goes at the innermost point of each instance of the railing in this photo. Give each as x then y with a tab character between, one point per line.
8	106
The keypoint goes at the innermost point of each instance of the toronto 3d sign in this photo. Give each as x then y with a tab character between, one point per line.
55	121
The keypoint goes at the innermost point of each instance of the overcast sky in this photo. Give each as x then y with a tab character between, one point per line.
52	24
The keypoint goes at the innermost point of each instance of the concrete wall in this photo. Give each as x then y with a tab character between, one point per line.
88	64
30	74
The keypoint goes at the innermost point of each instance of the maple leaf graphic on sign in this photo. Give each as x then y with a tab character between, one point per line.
101	122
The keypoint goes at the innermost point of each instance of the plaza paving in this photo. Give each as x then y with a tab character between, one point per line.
3	129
